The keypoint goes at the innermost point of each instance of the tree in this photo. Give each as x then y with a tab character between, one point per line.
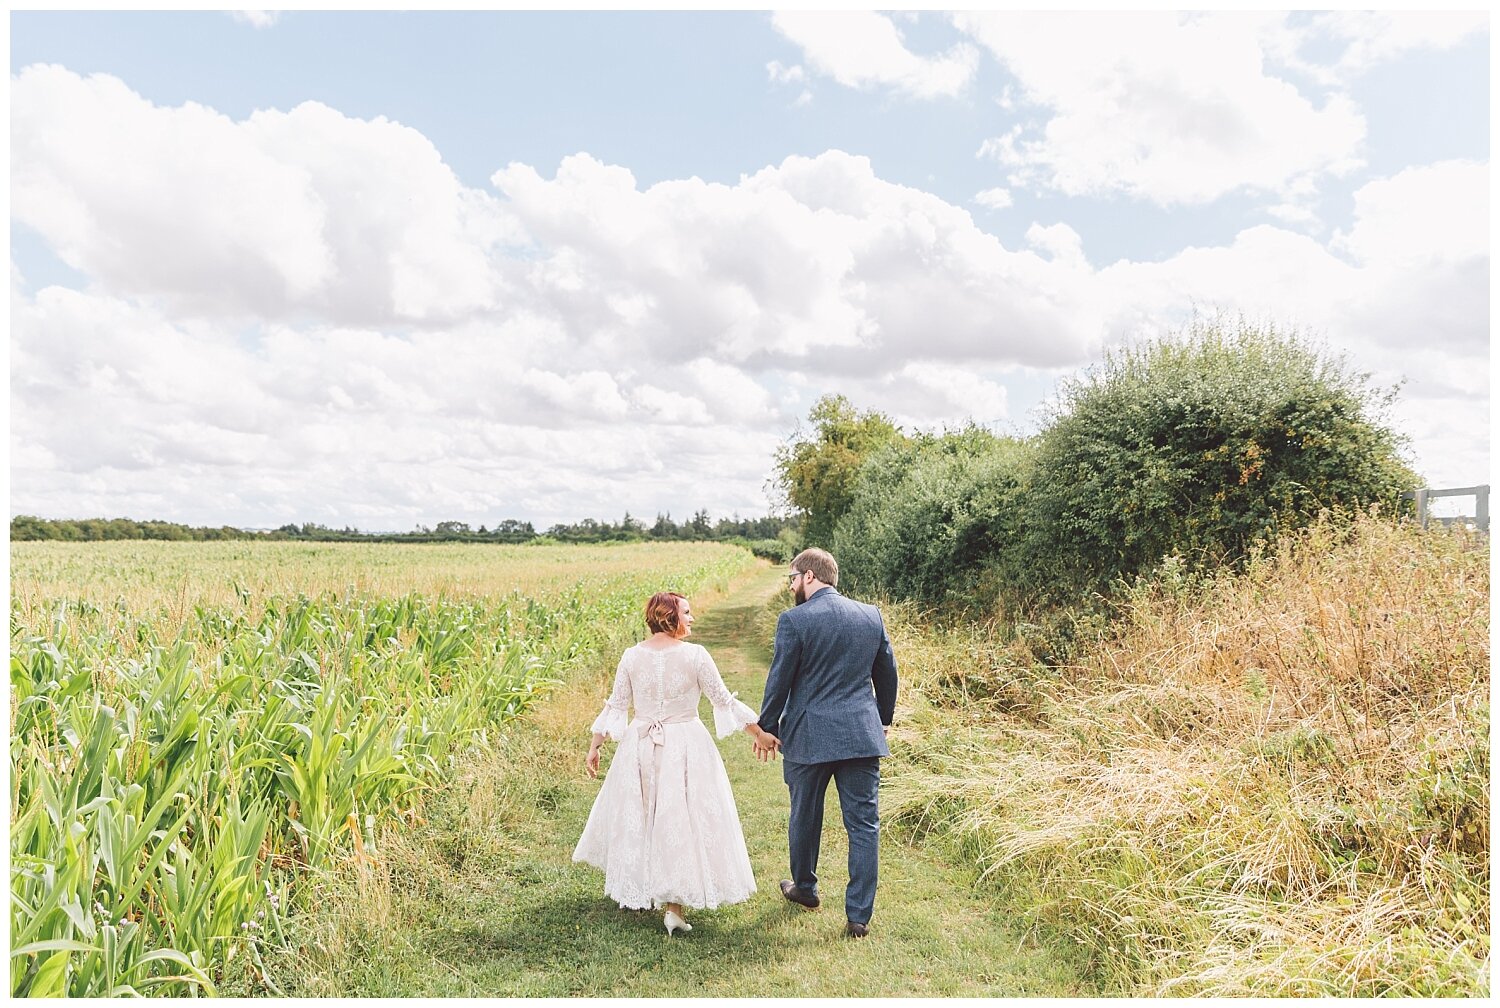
699	527
1198	446
513	530
665	527
816	473
931	515
24	527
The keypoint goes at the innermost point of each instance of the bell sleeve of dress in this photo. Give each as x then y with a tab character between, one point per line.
730	715
613	719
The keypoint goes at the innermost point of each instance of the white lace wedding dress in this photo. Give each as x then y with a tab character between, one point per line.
664	828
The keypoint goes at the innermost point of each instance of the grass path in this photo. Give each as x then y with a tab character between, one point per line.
484	899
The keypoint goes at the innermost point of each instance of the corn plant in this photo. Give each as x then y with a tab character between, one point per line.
179	775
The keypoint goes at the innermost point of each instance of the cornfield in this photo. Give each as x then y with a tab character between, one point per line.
189	750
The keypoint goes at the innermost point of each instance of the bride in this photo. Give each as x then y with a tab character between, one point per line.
664	828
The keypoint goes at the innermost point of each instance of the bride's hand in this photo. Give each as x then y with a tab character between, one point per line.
592	761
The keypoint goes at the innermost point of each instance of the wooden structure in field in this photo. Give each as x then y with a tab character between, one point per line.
1480	518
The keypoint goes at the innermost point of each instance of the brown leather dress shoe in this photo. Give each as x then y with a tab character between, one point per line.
794	893
853	930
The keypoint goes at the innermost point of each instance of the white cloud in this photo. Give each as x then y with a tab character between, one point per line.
1421	241
587	344
284	213
862	49
1059	241
1439	210
1294	213
1374	37
781	74
97	383
136	196
928	395
586	395
815	262
733	395
670	407
1172	108
117	409
256	18
994	199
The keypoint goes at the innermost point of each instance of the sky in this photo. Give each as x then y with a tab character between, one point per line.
386	269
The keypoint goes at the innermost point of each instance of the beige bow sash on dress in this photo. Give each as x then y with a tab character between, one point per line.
652	728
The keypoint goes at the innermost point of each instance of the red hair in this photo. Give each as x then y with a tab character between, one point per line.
661	613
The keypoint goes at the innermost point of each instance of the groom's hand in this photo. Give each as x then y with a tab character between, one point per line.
766	746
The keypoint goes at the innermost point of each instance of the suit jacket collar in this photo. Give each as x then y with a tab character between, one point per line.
825	590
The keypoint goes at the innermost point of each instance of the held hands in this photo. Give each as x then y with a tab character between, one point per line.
765	746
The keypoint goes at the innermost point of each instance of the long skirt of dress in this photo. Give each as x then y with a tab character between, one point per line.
664	828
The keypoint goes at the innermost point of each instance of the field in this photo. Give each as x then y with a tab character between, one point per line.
280	768
1268	784
199	730
151	575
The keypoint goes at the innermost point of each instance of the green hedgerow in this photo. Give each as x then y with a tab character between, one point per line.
1199	446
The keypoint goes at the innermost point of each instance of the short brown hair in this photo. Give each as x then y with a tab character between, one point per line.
822	565
661	612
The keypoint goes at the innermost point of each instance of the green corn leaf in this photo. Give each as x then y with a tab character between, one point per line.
144	876
53	945
51	977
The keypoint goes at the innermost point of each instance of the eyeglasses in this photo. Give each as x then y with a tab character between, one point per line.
794	575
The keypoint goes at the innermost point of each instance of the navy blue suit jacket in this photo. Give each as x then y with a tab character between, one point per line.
832	684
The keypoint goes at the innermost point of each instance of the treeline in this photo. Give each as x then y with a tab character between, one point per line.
772	537
1179	456
30	527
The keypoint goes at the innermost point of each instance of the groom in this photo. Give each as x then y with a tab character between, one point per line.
829	699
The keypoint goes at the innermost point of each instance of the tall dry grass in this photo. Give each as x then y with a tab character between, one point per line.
1275	783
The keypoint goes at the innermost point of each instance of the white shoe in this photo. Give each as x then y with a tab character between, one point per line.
675	923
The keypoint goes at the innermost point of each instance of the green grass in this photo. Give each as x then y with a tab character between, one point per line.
484	900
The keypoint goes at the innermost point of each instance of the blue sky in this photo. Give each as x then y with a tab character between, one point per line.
254	208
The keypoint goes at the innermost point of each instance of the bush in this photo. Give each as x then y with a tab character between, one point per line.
928	514
774	550
1198	447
